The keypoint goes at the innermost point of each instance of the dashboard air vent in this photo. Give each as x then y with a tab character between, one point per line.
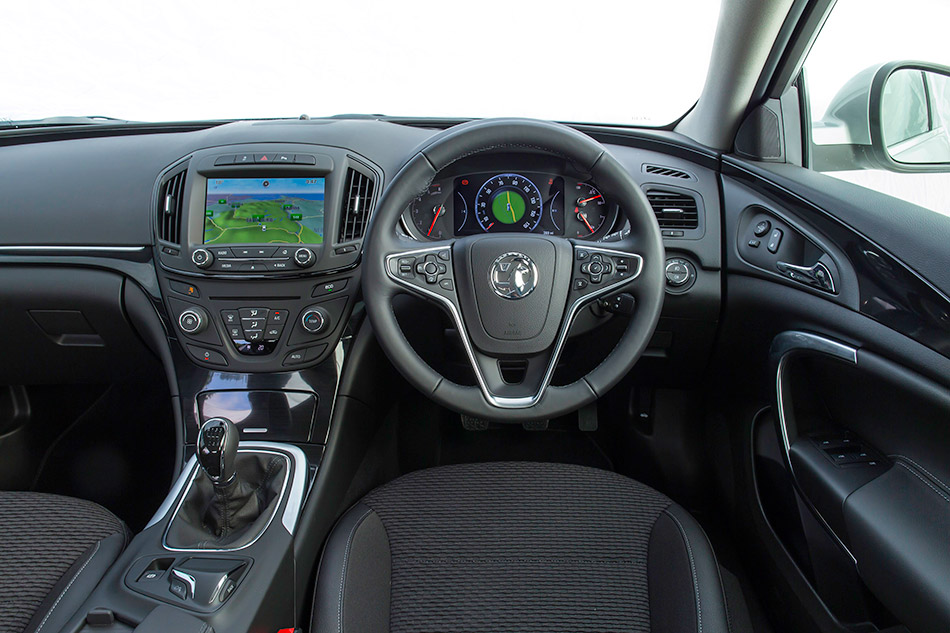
357	204
171	200
674	210
659	170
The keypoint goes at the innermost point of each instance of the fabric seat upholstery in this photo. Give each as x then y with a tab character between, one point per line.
518	547
53	552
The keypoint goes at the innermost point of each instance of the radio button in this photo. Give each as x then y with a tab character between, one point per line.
284	252
278	265
219	265
221	252
242	252
254	268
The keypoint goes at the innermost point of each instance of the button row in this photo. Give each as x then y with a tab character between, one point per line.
253	252
596	267
279	158
431	267
253	325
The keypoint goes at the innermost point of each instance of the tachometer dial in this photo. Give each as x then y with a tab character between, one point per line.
508	202
590	211
429	213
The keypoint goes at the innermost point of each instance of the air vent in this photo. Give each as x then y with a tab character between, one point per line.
171	201
357	205
674	210
659	170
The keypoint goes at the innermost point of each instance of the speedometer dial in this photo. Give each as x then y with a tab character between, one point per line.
508	202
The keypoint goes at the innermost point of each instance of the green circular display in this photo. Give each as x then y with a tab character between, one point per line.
508	206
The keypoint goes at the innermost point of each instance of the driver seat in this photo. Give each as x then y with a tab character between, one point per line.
520	547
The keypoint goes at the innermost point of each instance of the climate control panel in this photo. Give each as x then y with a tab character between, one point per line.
259	325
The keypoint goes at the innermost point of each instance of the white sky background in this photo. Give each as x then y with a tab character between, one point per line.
593	61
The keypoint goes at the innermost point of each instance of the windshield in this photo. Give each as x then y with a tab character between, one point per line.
629	63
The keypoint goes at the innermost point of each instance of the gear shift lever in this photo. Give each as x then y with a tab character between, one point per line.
217	450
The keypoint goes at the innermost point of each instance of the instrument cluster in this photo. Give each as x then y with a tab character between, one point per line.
510	202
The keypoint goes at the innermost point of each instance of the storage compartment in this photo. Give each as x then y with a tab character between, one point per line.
285	416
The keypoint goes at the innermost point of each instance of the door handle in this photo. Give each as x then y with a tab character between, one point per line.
816	276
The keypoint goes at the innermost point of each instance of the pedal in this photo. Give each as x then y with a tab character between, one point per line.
474	424
535	425
587	418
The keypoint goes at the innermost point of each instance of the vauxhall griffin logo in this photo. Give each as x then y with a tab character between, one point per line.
513	276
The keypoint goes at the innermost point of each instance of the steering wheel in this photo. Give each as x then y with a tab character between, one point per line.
513	297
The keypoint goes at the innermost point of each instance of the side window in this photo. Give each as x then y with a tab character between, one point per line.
858	40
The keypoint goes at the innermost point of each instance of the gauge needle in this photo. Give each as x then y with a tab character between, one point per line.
589	199
438	212
577	210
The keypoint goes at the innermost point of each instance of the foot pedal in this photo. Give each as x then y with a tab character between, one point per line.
587	418
474	424
535	425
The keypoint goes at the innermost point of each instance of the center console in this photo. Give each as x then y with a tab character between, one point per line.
257	252
257	247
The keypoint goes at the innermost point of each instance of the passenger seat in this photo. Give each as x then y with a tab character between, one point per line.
53	552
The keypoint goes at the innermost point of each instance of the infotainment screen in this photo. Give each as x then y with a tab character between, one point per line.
264	211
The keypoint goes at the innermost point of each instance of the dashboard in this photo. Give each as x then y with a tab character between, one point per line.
511	201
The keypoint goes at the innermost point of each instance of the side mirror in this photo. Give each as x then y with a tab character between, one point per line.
895	116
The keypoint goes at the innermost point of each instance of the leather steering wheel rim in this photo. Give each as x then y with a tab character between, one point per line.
383	244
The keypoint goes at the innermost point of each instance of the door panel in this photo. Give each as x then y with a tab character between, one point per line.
859	388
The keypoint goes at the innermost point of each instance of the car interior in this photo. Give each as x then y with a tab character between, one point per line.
367	373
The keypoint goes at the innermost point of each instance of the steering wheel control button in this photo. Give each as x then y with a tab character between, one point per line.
207	355
303	257
580	284
330	287
680	273
582	255
193	320
775	240
315	320
202	258
753	243
446	284
761	228
445	255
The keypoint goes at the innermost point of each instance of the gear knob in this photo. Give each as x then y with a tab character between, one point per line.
217	450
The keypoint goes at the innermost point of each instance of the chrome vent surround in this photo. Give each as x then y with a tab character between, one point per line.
674	210
357	205
171	202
